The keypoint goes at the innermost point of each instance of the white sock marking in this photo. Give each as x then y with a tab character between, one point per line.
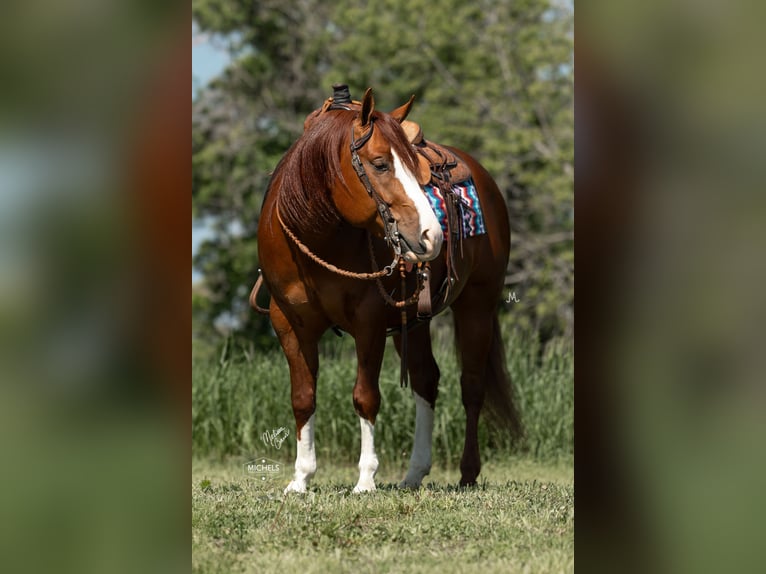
368	460
305	459
420	461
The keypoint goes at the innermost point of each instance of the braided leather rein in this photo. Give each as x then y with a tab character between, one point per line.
387	271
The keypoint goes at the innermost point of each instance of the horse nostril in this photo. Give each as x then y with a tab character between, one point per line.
423	245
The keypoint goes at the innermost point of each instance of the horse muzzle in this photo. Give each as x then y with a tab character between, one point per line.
426	248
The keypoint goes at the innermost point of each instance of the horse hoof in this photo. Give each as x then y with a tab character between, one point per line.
409	485
364	488
297	487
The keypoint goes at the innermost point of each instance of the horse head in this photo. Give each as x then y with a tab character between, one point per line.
385	195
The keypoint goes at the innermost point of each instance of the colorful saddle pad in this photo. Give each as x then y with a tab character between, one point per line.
470	208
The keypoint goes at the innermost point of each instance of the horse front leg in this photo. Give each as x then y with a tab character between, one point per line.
302	355
370	347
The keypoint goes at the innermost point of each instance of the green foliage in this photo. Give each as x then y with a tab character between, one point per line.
521	520
240	397
494	78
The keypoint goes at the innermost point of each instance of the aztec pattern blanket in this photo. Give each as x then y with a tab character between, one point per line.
470	208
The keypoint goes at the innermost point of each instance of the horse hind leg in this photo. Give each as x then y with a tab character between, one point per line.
484	373
474	317
424	380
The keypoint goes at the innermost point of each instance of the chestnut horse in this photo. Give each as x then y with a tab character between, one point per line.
326	224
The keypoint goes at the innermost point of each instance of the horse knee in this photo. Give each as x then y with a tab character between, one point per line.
366	402
304	405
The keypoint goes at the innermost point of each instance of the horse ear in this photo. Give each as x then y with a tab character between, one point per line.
368	106
401	113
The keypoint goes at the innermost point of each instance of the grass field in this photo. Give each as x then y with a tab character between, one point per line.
237	399
519	519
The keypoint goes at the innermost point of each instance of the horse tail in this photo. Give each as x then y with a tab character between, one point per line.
501	401
254	294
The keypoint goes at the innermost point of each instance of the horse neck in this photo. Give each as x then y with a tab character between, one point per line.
329	238
335	238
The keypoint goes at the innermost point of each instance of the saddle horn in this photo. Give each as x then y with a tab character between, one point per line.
341	94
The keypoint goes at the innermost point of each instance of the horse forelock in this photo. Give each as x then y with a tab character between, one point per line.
393	132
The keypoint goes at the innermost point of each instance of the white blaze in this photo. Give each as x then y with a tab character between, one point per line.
420	461
368	460
305	459
426	216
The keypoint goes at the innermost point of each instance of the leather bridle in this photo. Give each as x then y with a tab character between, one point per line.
390	226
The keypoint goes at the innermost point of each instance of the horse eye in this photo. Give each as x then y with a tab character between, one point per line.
380	165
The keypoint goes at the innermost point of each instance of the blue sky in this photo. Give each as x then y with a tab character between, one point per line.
208	60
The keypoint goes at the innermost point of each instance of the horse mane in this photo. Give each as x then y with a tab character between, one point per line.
312	166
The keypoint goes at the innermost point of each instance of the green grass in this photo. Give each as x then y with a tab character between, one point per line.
519	519
237	399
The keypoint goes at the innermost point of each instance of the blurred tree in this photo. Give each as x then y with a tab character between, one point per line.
492	77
